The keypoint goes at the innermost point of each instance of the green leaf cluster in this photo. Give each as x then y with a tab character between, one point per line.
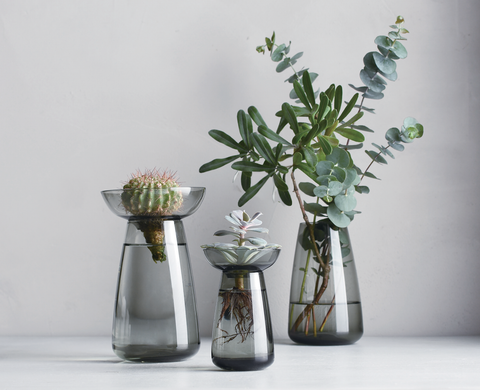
380	66
316	134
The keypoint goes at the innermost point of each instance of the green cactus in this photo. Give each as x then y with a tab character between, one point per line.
152	194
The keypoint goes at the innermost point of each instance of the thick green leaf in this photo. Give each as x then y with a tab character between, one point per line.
217	163
245	127
280	183
255	115
285	197
348	108
289	115
297	158
263	148
354	135
352	120
307	188
248	166
310	156
225	139
325	106
315	208
301	94
325	144
338	98
252	191
307	85
362	128
270	134
246	180
307	170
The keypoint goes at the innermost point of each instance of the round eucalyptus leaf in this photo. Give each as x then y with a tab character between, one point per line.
397	146
338	217
346	202
388	52
384	42
372	95
374	83
393	135
362	189
325	179
339	157
335	188
324	167
376	156
340	174
321	191
351	179
384	64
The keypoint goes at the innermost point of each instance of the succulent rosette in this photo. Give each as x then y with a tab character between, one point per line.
239	253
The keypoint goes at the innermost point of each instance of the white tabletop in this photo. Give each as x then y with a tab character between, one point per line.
372	363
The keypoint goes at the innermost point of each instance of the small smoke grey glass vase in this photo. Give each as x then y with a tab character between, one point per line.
242	338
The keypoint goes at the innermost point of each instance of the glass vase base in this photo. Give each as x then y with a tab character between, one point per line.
155	354
244	364
325	339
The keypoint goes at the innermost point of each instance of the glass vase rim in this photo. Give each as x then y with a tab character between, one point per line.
112	191
192	199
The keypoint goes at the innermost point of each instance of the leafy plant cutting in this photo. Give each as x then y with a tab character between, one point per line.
323	133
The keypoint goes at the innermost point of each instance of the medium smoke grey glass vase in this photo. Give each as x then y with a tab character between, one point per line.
155	318
242	338
333	317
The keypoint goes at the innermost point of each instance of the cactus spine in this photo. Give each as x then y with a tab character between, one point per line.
152	194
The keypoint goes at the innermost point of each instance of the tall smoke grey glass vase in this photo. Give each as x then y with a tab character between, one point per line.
333	317
155	318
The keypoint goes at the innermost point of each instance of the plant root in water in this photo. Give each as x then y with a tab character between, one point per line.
237	305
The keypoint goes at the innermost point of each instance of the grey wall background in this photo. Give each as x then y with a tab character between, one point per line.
91	91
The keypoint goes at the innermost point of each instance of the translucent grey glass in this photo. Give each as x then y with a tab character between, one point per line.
335	318
155	318
242	337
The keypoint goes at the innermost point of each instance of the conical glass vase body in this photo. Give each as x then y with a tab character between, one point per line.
155	318
242	338
333	317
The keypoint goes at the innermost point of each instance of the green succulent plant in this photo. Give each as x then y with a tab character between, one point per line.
239	253
152	194
325	132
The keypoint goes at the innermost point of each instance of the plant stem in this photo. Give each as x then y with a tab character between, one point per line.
327	315
325	266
